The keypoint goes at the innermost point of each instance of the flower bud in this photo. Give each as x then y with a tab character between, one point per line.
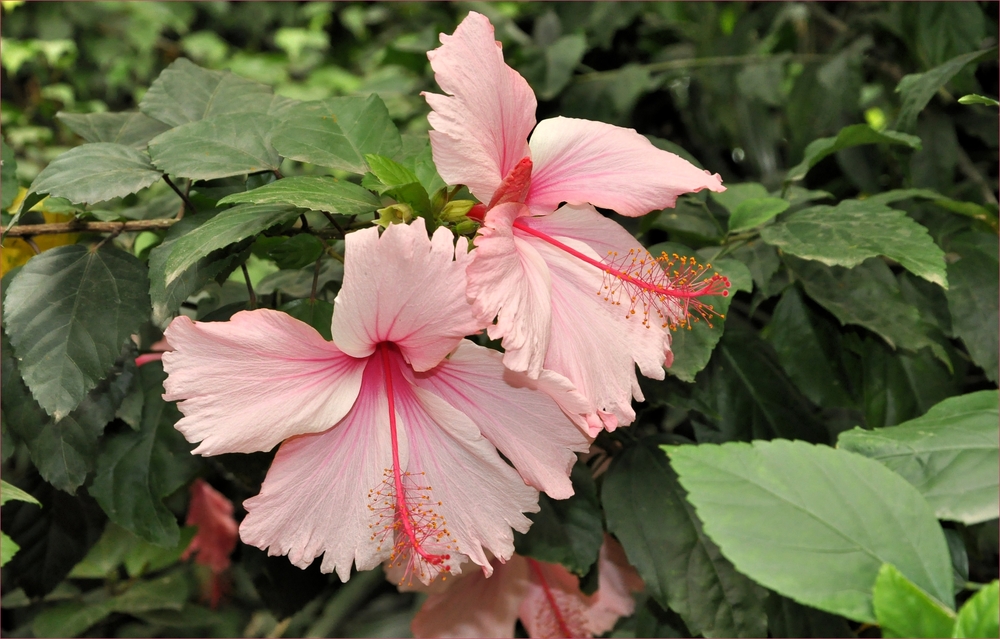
400	213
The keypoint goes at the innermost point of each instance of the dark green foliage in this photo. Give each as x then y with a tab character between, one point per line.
858	143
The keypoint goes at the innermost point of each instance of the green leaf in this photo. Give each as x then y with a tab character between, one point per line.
903	609
917	89
746	395
106	555
397	181
663	538
950	455
118	546
975	287
808	348
753	212
689	219
797	518
788	618
692	345
130	128
297	252
972	98
313	193
736	194
218	147
96	172
63	450
869	296
143	557
73	618
167	298
854	230
337	132
52	539
137	469
426	171
227	227
849	136
561	59
9	492
315	313
8	548
980	616
566	531
68	312
391	173
968	209
299	283
8	176
184	92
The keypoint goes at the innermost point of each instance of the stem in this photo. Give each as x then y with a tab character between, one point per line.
85	227
246	276
31	243
971	172
115	233
182	195
312	296
333	221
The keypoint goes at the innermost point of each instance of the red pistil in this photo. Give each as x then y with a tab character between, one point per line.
668	285
514	187
407	506
556	612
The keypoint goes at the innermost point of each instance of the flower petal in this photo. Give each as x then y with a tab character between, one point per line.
212	513
317	496
251	382
404	288
579	161
474	606
594	343
525	424
481	127
507	279
554	605
479	497
616	580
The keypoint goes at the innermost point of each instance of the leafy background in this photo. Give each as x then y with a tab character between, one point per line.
858	186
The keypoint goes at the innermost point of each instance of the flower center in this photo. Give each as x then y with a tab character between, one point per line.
669	286
514	187
405	508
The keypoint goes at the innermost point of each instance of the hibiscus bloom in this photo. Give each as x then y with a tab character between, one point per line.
545	597
216	538
390	432
571	291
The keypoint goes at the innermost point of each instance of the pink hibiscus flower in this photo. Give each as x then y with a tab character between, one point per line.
571	291
546	597
216	538
390	432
